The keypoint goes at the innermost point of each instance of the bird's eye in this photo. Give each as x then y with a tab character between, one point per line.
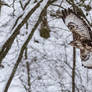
71	26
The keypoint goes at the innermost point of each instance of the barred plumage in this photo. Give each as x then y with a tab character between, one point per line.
82	34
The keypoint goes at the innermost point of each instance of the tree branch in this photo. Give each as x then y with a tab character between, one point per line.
24	46
7	45
73	69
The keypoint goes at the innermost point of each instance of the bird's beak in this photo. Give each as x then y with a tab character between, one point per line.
71	43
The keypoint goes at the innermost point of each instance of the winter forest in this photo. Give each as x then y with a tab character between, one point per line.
35	55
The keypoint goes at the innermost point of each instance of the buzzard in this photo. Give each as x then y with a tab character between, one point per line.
82	35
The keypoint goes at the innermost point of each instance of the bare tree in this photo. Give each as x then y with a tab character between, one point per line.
49	57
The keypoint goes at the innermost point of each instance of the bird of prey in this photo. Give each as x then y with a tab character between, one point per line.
82	34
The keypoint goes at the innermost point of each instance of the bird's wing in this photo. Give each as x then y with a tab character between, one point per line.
82	27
